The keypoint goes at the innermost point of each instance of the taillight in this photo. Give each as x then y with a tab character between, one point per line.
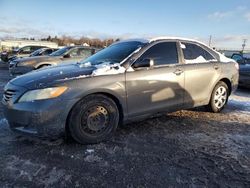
236	65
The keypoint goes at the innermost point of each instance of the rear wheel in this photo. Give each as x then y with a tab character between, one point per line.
93	119
219	97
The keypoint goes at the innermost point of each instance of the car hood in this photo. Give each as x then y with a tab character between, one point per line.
38	58
47	76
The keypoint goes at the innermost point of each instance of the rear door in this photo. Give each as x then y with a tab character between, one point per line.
201	72
158	87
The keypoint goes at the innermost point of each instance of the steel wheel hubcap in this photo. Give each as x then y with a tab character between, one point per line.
95	119
220	97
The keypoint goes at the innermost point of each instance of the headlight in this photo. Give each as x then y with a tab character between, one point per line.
40	94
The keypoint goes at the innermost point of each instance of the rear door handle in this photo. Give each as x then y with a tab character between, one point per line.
178	72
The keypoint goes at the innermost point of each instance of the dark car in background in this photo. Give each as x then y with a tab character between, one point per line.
244	68
21	52
124	82
43	52
69	54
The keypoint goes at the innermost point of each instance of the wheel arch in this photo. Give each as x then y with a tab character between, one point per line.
228	82
39	65
107	94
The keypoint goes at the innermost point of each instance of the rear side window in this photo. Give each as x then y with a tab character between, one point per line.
33	48
162	53
195	54
47	52
84	53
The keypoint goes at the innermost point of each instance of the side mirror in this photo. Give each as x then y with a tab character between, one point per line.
145	63
240	61
67	56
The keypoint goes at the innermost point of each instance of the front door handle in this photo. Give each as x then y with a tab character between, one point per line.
178	72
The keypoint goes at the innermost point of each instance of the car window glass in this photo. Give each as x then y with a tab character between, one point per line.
25	50
162	53
73	53
195	54
84	53
237	57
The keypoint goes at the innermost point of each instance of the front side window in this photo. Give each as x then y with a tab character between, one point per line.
25	50
195	54
163	53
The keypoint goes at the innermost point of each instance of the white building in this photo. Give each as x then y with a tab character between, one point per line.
10	44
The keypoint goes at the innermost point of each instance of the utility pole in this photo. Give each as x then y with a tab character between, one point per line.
210	40
244	44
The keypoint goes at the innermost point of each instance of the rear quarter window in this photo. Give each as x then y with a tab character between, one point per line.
195	54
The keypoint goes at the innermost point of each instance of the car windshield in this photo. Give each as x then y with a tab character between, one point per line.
37	52
114	53
60	51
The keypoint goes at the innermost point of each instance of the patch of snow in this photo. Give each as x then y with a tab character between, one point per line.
87	64
199	59
74	78
90	151
183	46
108	69
224	59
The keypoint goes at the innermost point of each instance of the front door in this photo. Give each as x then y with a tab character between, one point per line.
159	86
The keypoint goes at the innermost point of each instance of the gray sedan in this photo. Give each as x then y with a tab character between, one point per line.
124	82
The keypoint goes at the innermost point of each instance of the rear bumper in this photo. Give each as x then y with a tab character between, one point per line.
45	118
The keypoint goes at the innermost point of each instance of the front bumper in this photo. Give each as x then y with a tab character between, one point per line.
44	118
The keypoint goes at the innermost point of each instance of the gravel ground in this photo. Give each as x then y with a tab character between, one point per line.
190	148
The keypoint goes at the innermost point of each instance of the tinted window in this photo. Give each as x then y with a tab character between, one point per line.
47	52
162	53
195	54
61	51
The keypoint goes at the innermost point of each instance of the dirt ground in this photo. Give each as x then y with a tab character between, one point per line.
190	148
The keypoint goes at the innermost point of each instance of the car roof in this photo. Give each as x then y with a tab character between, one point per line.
149	40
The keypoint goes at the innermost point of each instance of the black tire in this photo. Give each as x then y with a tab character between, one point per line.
213	105
93	119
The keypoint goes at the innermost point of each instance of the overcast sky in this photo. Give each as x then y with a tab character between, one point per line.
228	21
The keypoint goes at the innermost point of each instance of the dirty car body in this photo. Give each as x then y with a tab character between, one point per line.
69	54
127	81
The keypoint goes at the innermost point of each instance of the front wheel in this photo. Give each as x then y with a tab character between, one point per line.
219	97
93	119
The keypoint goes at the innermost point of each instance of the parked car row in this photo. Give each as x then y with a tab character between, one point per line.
124	82
69	54
20	52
